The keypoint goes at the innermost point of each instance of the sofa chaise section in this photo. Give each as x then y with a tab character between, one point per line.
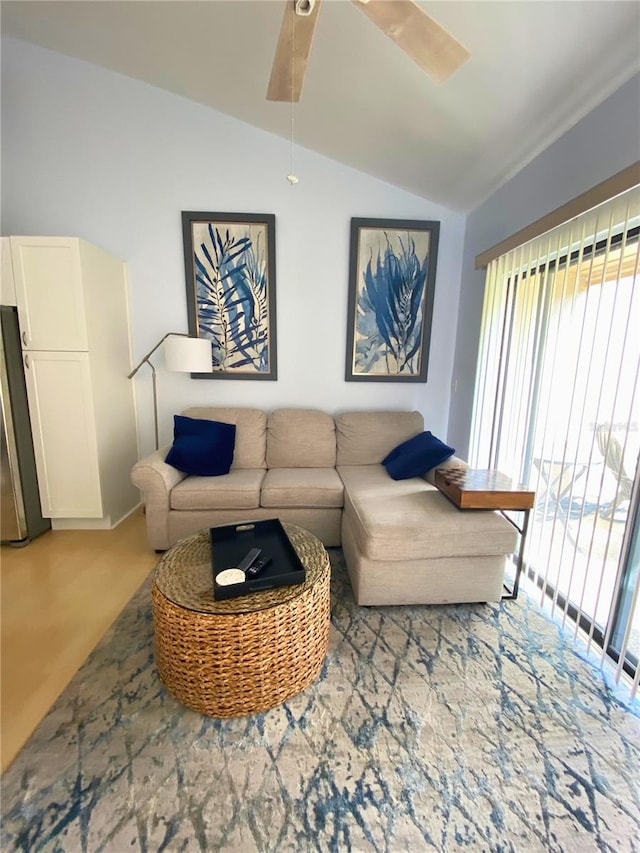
403	540
405	543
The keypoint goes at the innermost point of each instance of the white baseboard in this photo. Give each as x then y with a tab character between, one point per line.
104	523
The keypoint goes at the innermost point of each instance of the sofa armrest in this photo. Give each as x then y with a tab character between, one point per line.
451	462
156	479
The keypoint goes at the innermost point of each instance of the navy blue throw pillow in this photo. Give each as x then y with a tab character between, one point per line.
415	457
201	447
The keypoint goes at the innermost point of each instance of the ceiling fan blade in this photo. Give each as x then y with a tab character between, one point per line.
421	38
292	53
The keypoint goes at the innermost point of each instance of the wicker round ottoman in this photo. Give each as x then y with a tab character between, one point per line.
244	655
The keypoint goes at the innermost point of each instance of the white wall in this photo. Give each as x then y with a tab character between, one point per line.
90	153
600	145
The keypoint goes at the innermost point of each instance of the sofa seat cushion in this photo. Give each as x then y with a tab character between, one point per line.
411	519
301	438
238	489
302	487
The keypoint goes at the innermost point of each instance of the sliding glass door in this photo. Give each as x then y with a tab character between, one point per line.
556	406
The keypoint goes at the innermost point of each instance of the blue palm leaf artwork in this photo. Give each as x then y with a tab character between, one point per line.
390	309
231	294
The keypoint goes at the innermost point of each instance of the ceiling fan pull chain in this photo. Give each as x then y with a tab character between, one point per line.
293	178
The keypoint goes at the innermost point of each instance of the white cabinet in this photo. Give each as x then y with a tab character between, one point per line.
49	293
61	410
74	322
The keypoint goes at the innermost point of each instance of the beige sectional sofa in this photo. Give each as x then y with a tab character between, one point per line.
403	541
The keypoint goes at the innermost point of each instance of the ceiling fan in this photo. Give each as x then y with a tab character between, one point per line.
404	21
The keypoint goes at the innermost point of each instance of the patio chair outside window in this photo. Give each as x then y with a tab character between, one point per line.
613	456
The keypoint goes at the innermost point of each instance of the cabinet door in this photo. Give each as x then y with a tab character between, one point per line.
49	293
64	436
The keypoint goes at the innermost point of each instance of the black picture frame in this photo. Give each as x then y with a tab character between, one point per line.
230	274
392	275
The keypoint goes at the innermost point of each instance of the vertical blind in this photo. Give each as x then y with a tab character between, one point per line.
556	406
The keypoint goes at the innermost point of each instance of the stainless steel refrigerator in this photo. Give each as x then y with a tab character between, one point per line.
20	512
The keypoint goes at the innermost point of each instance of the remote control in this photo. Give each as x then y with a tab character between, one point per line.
257	567
249	559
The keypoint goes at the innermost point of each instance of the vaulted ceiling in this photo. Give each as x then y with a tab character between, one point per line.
536	68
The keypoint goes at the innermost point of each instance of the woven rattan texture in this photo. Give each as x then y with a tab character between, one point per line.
194	588
230	664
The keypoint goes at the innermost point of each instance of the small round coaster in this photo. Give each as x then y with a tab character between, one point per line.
229	577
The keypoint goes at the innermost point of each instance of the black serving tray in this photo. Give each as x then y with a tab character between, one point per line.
230	543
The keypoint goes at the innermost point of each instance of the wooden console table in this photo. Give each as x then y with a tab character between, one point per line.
489	489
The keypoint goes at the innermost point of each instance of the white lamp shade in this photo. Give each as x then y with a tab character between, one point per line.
188	355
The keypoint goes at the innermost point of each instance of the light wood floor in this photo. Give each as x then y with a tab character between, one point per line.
58	596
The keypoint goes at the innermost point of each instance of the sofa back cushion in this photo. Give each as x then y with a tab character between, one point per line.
365	438
301	438
251	432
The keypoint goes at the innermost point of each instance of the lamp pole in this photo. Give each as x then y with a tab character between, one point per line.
145	360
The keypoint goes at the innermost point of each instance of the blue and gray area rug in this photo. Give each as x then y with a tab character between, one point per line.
474	727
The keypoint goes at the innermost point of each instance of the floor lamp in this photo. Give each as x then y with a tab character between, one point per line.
182	353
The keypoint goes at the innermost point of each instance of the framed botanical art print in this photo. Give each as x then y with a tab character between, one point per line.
230	270
392	273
